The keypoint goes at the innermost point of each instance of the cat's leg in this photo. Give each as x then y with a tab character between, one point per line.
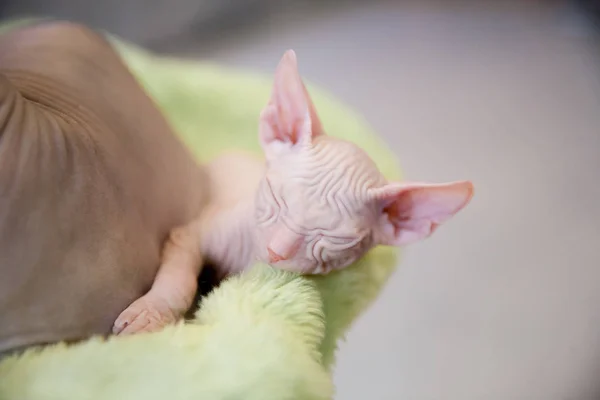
174	287
233	177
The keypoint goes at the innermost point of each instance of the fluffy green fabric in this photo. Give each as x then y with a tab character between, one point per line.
262	335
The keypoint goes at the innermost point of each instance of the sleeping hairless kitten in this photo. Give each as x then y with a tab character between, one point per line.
318	204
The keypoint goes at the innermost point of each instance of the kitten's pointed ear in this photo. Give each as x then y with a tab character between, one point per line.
290	116
412	211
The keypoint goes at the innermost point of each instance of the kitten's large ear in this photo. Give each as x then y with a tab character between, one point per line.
412	211
290	116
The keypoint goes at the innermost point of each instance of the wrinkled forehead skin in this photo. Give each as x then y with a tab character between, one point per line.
325	184
328	175
81	223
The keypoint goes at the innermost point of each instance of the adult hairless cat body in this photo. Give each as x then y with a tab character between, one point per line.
318	204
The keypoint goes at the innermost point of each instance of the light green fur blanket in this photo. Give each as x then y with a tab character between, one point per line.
262	335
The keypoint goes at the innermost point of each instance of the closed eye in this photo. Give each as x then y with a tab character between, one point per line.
267	211
344	242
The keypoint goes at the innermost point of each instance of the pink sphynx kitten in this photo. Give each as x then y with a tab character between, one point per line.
318	205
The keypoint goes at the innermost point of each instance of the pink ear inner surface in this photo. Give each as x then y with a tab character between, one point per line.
290	114
412	212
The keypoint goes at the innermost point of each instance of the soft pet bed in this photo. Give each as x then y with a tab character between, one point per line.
263	335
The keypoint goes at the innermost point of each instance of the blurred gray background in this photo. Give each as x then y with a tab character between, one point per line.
504	301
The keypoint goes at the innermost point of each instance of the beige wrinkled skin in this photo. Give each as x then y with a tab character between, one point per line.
317	205
88	172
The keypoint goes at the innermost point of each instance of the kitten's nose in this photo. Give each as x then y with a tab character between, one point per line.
274	257
283	245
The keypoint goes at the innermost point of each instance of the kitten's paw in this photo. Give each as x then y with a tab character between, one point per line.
149	313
